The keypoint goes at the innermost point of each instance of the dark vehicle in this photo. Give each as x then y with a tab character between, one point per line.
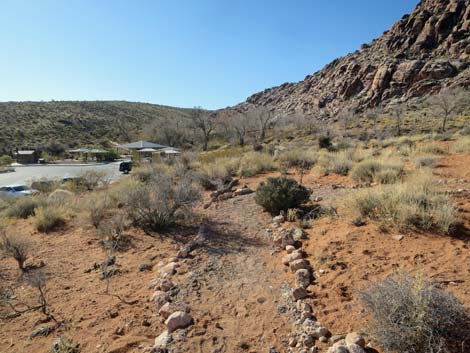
125	167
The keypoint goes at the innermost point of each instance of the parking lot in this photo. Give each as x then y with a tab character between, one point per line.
27	174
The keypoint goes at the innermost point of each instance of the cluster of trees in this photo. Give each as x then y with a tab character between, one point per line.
251	126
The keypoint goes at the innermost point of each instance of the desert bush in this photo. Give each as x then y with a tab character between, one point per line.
279	194
416	203
325	142
465	131
49	218
98	210
378	171
298	158
24	207
429	161
65	345
411	315
462	145
60	197
253	163
160	203
17	247
88	181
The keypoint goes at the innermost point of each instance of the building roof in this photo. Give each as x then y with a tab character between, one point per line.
171	150
148	150
25	152
141	144
87	150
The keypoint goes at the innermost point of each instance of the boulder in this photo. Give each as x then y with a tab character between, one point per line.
339	347
302	278
283	238
243	191
163	284
177	320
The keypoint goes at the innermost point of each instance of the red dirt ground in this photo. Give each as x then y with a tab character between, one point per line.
233	285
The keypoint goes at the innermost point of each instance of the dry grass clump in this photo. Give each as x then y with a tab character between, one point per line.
381	172
24	207
298	158
60	197
411	315
431	148
427	161
17	247
334	163
462	145
415	203
49	218
65	345
253	163
88	181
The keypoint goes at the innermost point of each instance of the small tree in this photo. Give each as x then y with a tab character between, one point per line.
239	124
447	103
264	119
5	160
373	115
16	246
203	121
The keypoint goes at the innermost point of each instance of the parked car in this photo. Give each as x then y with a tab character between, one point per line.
17	190
125	167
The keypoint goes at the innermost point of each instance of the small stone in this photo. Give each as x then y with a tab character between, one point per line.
355	348
323	339
178	319
319	332
296	255
355	338
166	310
336	338
161	342
398	237
279	219
302	278
299	293
159	298
307	340
243	191
298	264
290	249
145	267
292	342
169	269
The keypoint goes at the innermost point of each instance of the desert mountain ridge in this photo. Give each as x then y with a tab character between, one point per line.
423	52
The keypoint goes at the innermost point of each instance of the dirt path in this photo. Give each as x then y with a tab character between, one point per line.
236	290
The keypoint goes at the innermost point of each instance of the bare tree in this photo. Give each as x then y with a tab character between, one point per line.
448	102
239	125
204	121
397	112
264	119
373	115
345	116
170	132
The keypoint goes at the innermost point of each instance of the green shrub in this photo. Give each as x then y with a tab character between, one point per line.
416	203
412	315
5	160
49	218
281	194
24	207
325	142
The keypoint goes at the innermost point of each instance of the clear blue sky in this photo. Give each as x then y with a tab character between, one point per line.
211	53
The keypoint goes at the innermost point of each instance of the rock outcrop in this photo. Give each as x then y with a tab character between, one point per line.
423	52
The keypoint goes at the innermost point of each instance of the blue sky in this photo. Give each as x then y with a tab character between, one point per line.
211	53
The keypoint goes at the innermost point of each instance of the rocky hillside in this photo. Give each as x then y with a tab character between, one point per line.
37	124
423	52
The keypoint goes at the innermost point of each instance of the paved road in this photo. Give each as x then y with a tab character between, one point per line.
25	175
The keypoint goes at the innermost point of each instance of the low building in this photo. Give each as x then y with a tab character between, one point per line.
26	156
139	145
